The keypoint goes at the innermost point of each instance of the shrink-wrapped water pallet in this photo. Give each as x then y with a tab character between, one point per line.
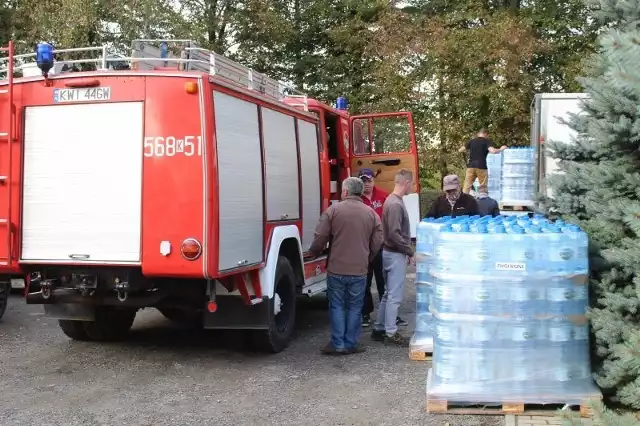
421	344
508	314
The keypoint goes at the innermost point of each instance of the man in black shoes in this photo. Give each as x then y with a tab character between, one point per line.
397	252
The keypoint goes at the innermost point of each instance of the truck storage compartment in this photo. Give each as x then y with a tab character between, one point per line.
82	182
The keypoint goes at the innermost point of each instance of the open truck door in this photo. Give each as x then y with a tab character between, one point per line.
386	143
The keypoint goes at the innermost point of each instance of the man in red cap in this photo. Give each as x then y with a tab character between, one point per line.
374	198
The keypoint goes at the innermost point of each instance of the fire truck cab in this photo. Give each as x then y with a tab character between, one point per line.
174	179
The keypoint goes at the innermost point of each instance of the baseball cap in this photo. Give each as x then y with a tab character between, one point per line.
450	182
366	173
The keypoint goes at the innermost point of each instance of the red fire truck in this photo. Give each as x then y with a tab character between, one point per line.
173	179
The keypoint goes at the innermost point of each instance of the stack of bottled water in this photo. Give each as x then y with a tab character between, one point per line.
509	303
517	176
422	340
494	170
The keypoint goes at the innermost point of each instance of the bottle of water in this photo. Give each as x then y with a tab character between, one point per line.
560	349
422	236
424	320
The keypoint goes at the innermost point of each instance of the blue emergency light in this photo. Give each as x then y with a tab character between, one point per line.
342	103
44	57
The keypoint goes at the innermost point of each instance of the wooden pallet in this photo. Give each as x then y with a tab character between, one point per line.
550	410
418	355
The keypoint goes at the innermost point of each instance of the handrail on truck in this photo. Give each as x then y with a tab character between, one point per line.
190	58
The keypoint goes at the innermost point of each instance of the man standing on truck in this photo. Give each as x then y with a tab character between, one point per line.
374	197
355	236
397	252
478	147
453	202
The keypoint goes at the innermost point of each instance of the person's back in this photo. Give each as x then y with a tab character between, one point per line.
355	236
487	206
478	148
352	224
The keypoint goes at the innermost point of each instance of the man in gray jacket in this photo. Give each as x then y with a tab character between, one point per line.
397	252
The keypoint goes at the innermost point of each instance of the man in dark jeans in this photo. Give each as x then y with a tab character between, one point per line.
374	197
478	149
354	232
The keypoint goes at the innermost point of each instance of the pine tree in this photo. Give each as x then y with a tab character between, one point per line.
600	190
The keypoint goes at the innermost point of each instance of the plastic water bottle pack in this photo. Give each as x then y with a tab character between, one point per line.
509	297
422	339
517	176
494	170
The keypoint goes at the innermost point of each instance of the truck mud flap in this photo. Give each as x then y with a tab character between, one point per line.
70	311
233	313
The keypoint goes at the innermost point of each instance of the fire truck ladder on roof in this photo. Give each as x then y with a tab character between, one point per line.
154	54
189	57
6	226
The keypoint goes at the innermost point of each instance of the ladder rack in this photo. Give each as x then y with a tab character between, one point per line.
148	54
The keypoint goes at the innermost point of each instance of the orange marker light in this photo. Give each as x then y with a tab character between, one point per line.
191	87
191	249
212	306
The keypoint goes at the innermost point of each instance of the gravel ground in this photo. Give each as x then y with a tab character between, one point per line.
164	375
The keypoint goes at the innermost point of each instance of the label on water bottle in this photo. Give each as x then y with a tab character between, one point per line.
519	294
510	266
580	293
581	332
566	253
560	333
482	254
559	294
445	293
522	334
481	294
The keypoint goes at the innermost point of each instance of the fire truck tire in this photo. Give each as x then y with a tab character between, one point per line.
5	289
282	317
110	324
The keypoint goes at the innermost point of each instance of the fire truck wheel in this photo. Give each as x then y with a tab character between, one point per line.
282	311
110	324
73	329
5	289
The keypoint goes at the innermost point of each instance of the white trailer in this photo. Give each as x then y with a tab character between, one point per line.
547	112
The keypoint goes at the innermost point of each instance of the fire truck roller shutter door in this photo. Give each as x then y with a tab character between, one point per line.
82	190
310	169
240	201
281	163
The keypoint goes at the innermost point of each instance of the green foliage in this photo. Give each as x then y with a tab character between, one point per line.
602	416
457	66
600	191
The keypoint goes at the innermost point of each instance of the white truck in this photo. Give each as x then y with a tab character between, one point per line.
547	112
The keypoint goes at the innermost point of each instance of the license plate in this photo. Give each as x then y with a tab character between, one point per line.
91	94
